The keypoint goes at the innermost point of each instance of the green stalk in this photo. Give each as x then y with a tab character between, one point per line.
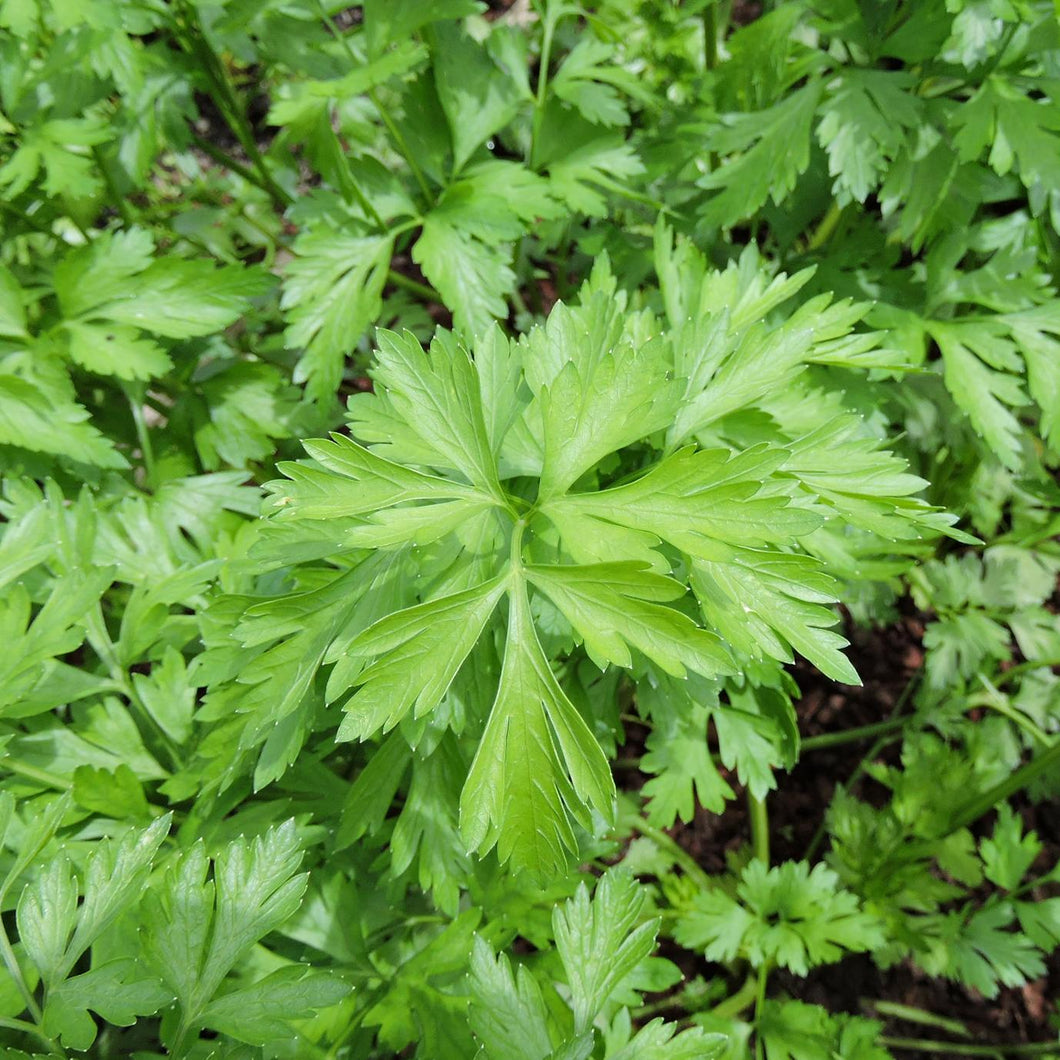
1025	667
34	1031
759	818
117	200
143	435
15	971
362	199
26	219
734	1004
402	145
827	225
40	776
680	857
194	41
226	160
760	1002
399	279
927	1045
987	800
710	36
862	732
103	646
549	22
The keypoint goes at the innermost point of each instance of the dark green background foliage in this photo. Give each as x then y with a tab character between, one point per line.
627	341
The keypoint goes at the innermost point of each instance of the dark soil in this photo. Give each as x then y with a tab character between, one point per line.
888	660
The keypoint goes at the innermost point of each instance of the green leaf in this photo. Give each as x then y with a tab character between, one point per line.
583	167
261	1013
658	1040
508	1014
613	608
119	991
1008	854
394	20
354	481
115	349
418	653
332	294
683	773
438	396
473	277
985	393
590	411
694	498
865	122
537	765
197	930
750	596
771	150
788	915
55	930
478	92
979	951
46	419
601	941
116	793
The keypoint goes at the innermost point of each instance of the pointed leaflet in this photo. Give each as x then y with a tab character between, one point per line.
695	498
613	607
55	930
775	146
353	480
601	941
332	293
197	929
751	595
477	92
985	393
261	1013
864	123
437	394
472	275
119	991
589	411
537	765
418	653
508	1014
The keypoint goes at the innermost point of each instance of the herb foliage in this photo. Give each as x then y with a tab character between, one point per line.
419	419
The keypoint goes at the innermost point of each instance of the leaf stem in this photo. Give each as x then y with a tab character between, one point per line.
399	279
710	36
987	800
226	160
758	815
134	395
680	857
194	41
402	145
928	1045
15	971
549	24
827	225
362	200
760	1003
862	732
34	1031
103	646
734	1004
